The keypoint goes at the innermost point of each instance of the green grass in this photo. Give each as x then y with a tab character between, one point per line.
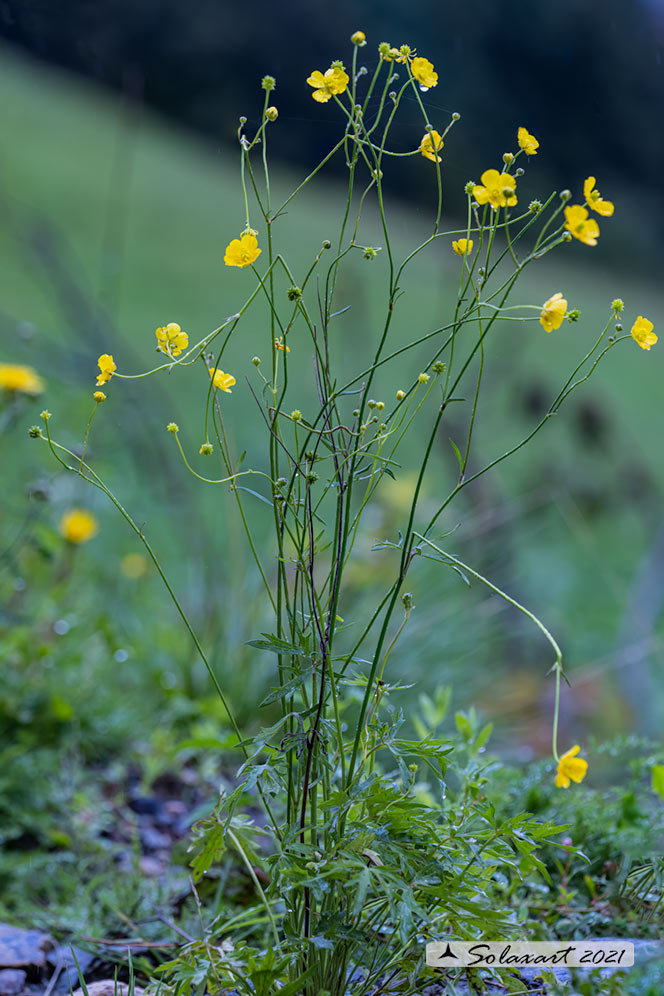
115	222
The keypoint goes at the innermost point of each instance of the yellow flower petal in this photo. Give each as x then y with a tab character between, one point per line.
221	380
431	144
243	251
527	142
462	247
642	332
553	312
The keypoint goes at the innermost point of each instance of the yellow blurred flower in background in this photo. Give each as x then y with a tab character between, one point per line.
14	377
78	525
134	565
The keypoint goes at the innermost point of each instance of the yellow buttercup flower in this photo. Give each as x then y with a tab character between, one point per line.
243	251
594	199
333	81
430	145
279	343
642	333
571	768
462	247
584	229
222	380
527	142
14	377
553	312
424	73
499	189
78	526
107	367
171	339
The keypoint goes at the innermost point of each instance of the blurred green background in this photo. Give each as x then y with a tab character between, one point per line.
119	191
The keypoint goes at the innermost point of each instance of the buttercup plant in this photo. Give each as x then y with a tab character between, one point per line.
361	867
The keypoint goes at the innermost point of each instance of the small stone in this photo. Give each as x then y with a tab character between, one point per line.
12	981
108	987
23	948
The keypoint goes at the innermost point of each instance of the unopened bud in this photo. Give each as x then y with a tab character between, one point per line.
401	395
99	396
272	113
358	38
508	157
565	195
438	367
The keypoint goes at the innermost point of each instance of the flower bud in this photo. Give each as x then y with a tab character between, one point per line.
380	405
384	49
99	396
294	293
470	187
371	403
407	599
456	116
356	413
401	395
327	244
619	328
256	360
518	172
35	432
358	38
438	367
272	113
508	157
565	195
